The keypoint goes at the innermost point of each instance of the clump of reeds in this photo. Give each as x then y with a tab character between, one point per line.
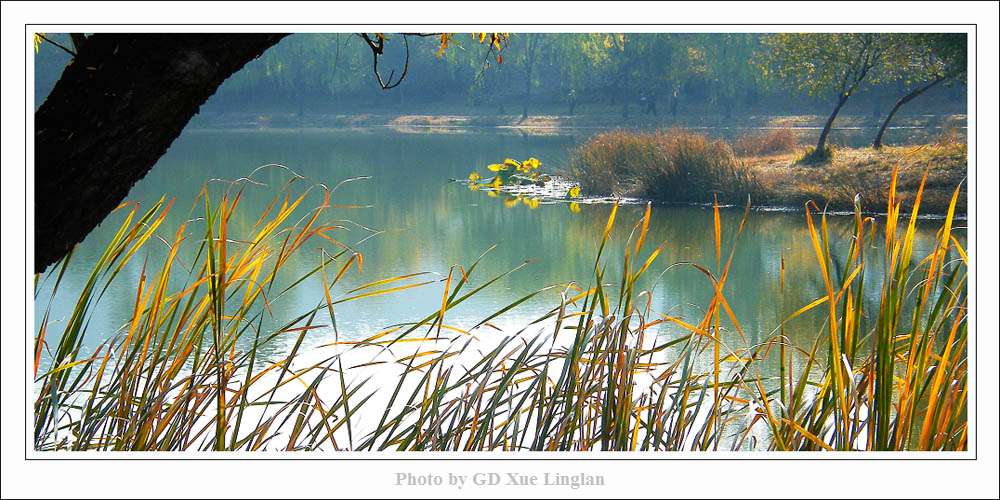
897	377
673	165
610	162
186	370
591	374
770	142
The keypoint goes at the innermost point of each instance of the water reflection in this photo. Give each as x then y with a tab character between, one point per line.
428	223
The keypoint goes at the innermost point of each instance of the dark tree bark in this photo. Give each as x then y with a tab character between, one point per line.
869	55
114	111
877	144
821	143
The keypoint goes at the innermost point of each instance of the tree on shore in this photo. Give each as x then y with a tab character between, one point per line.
922	61
834	64
116	108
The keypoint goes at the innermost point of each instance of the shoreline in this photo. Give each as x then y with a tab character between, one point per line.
678	165
557	124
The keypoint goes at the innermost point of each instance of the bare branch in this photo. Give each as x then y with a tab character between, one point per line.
57	44
378	49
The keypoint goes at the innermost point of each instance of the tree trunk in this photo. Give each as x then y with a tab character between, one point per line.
877	144
114	111
821	144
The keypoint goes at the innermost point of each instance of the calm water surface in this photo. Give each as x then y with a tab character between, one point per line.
430	224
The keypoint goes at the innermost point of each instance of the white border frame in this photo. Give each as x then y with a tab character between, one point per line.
790	470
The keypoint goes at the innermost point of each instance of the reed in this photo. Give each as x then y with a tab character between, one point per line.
674	165
186	372
773	141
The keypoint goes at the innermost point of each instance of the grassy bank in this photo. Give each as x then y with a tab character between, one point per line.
188	370
784	180
680	166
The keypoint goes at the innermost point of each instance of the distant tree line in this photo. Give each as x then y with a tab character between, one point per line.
108	105
727	74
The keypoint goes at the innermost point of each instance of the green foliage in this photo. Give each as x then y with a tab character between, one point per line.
542	71
823	63
916	58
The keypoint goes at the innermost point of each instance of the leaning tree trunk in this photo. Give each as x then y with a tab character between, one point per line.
821	143
114	111
877	144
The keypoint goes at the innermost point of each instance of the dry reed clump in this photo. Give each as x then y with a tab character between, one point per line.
774	141
673	165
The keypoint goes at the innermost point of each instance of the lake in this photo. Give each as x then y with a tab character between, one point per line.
425	222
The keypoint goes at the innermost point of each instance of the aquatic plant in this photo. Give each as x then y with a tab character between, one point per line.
516	179
188	371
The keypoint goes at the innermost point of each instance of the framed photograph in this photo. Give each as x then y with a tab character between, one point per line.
698	249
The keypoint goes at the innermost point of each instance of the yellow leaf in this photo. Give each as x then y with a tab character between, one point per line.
574	207
444	44
496	167
510	162
574	192
474	176
532	163
510	202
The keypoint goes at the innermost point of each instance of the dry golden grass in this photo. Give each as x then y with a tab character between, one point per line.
864	171
769	142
